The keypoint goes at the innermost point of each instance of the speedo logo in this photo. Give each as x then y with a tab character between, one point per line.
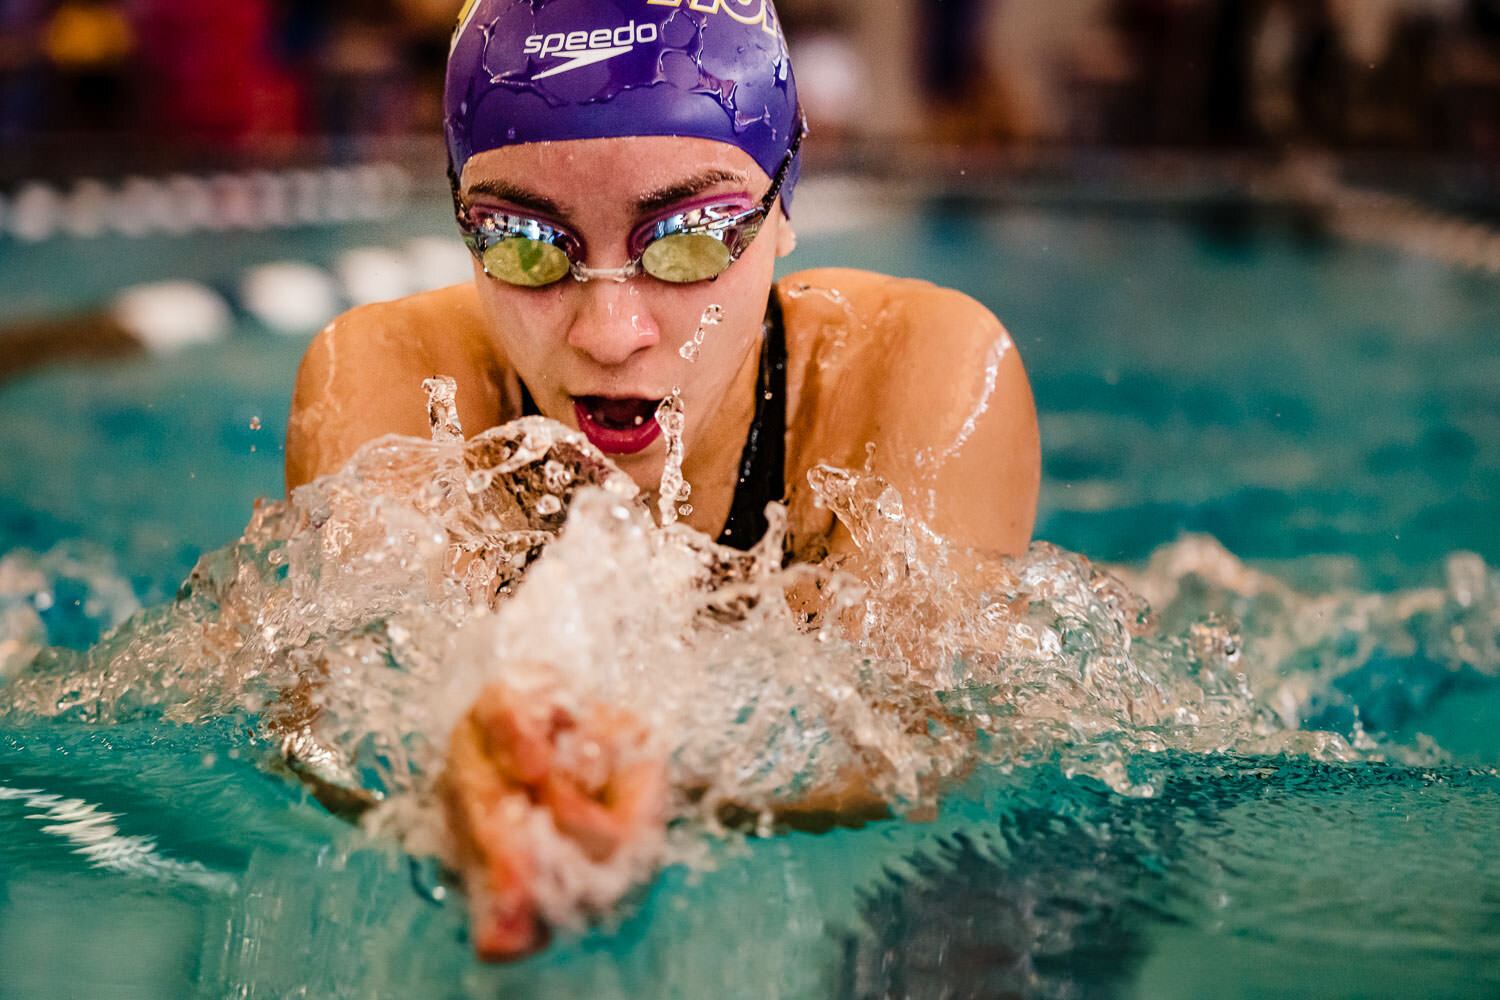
584	48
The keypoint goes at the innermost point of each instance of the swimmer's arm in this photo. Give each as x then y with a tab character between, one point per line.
848	799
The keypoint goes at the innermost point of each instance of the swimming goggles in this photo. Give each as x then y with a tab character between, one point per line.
696	244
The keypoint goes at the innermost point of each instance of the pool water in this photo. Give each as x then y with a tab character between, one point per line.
1325	410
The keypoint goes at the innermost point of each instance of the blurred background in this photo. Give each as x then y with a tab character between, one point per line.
101	86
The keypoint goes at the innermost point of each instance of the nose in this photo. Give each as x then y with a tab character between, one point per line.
612	322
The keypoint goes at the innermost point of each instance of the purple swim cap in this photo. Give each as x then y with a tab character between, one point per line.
544	70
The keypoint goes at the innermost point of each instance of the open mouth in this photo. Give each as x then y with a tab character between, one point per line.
618	426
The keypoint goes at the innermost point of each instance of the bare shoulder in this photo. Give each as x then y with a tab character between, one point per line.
897	341
851	317
362	376
932	380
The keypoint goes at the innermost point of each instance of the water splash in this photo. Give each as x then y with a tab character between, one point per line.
442	408
353	624
674	488
691	349
67	596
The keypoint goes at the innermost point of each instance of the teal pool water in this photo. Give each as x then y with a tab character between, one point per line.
1326	410
1247	878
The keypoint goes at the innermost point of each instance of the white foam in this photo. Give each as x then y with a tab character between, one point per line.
290	296
168	315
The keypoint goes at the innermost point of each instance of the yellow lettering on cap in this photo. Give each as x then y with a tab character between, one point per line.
464	15
743	11
744	14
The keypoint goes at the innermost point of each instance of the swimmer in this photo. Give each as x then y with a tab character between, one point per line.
623	174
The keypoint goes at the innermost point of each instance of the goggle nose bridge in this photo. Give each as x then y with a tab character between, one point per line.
618	275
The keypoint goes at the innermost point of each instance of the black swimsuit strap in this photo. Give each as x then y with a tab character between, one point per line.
763	461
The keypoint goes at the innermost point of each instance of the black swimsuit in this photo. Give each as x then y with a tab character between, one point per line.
763	460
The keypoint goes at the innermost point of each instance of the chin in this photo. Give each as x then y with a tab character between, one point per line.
644	467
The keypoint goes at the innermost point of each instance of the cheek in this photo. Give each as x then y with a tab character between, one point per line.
740	295
522	322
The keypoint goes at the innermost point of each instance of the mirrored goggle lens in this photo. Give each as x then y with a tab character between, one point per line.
684	257
522	261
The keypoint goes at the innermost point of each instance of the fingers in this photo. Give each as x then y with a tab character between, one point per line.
518	741
486	813
595	799
589	822
515	760
638	794
502	909
503	930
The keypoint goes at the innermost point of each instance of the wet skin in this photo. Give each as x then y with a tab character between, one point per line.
920	383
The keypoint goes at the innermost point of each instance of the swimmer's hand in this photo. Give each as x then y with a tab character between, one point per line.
553	813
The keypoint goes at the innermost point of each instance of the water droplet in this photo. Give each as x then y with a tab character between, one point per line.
556	476
442	408
713	315
672	420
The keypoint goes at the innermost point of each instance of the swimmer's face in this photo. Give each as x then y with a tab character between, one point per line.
577	343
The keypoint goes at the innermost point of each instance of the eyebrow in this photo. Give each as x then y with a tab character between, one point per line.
520	197
652	201
682	190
